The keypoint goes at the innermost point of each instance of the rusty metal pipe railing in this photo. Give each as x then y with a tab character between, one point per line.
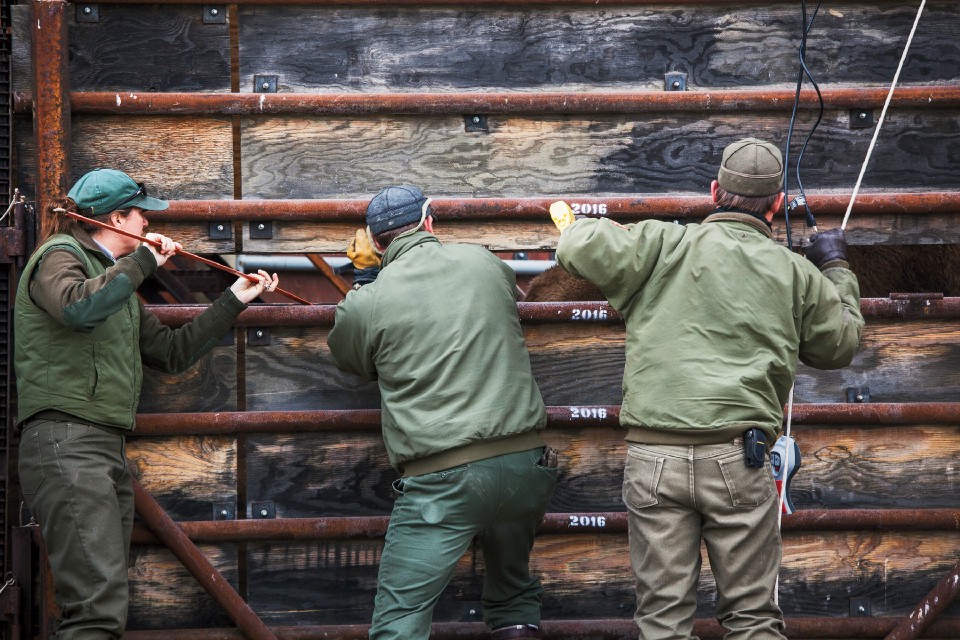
878	414
630	207
600	629
51	109
506	103
283	315
171	535
935	603
373	527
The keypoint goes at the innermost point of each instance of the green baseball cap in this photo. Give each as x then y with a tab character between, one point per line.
104	190
751	167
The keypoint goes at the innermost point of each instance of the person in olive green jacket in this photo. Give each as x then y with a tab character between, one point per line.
81	338
437	327
717	315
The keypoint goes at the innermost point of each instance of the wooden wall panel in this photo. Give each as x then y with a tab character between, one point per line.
134	48
187	475
209	385
589	576
303	157
163	594
586	48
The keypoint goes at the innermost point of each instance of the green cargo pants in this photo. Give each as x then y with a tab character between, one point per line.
76	483
678	495
500	501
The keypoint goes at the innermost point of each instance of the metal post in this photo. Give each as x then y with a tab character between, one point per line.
51	105
929	608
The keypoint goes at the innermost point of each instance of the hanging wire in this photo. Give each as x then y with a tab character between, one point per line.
800	200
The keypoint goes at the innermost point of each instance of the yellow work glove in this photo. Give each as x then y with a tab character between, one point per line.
361	251
561	214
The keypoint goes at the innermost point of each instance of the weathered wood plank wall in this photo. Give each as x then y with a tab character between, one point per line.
357	50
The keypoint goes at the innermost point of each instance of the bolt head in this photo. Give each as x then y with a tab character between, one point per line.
219	227
223	512
88	10
676	84
265	86
260	335
862	115
214	11
261	226
263	513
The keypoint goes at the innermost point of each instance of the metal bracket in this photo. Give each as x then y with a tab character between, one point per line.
214	14
858	394
261	230
224	511
88	12
258	336
475	123
221	231
12	244
860	608
262	510
861	118
265	84
675	81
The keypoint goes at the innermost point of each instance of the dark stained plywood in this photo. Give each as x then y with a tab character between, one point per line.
306	157
589	576
163	594
586	48
135	48
209	385
187	475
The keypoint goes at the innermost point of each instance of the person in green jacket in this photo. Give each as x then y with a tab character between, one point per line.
437	327
717	315
81	338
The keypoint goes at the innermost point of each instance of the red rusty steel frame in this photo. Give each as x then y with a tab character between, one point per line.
373	527
286	315
419	3
599	629
173	537
51	111
512	103
935	603
878	414
625	208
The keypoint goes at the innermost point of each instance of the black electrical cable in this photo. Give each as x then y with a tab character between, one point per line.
801	199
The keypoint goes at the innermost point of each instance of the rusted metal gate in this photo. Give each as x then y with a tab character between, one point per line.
247	222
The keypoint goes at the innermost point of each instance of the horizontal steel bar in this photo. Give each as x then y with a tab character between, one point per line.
482	3
584	416
515	103
628	208
373	527
289	315
600	629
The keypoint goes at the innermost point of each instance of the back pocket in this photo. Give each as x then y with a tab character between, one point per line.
641	476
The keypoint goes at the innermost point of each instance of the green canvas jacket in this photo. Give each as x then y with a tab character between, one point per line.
717	315
82	336
439	332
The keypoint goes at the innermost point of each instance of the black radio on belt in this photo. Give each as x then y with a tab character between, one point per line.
754	447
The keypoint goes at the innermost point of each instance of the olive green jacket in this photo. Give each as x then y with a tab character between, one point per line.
439	331
82	335
717	315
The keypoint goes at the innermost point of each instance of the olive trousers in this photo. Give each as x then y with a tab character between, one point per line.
76	483
677	496
501	502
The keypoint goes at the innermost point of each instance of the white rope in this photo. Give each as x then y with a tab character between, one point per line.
883	114
785	465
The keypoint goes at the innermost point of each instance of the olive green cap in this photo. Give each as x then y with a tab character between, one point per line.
751	167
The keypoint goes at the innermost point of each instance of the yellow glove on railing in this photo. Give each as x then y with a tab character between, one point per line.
562	215
361	252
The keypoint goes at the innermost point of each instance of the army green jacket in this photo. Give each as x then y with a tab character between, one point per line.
438	330
717	315
82	335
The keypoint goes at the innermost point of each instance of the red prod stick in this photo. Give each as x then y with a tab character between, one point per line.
211	263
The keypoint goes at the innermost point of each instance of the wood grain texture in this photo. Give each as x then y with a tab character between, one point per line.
142	48
163	594
209	385
586	48
590	577
304	157
187	475
347	473
177	157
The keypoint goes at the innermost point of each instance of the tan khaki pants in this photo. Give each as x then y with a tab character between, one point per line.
678	495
